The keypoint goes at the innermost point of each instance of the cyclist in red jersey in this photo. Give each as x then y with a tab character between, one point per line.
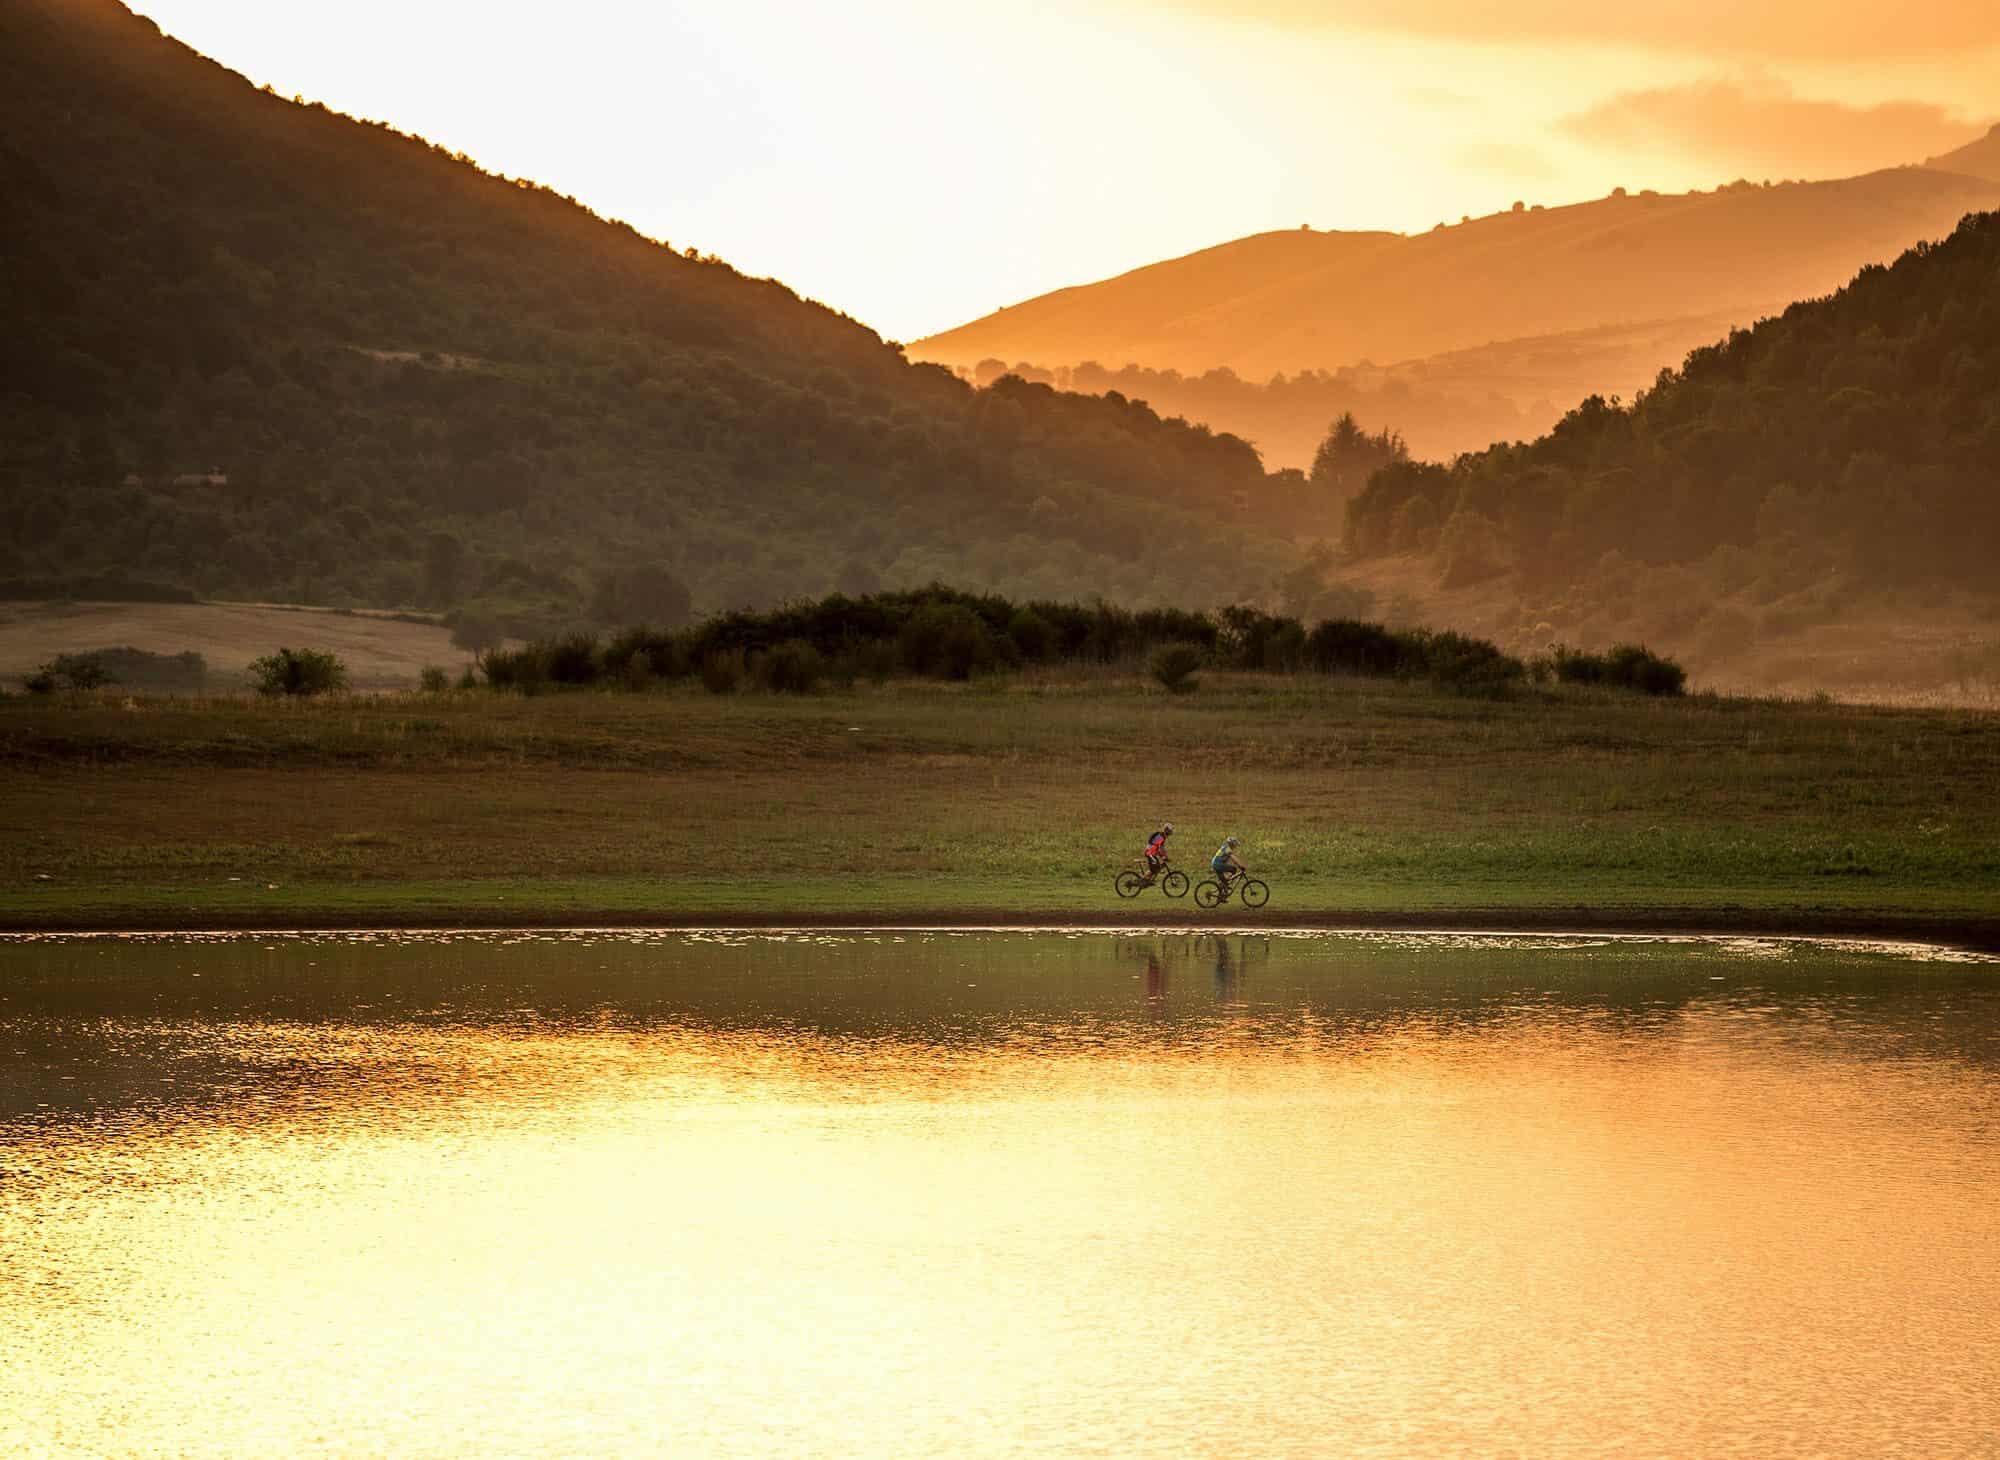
1156	850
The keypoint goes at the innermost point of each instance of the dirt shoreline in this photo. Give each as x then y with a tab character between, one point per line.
1971	933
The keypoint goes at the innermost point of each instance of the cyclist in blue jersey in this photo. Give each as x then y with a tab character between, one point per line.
1225	863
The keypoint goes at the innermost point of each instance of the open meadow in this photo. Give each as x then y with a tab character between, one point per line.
381	651
1010	799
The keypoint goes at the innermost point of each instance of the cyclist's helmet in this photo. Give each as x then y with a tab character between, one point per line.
1167	827
1232	842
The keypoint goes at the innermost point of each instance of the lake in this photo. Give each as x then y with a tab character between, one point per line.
1004	1193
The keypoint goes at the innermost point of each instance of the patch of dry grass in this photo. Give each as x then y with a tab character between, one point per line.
379	651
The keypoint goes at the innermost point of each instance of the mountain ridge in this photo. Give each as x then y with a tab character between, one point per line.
1508	275
1977	158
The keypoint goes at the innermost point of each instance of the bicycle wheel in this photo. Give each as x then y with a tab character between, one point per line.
1128	883
1207	893
1174	884
1254	893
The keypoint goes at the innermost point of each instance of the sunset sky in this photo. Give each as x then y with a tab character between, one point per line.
918	164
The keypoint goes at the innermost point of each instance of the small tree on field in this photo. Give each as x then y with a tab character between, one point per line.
77	671
298	672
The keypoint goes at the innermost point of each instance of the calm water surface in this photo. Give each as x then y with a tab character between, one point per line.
996	1194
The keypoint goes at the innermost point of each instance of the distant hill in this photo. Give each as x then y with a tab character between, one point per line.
1974	159
1304	300
1463	400
262	350
1842	459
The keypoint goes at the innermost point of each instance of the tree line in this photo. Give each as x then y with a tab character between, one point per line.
944	633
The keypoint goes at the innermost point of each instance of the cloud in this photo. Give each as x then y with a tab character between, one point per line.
1794	29
1761	128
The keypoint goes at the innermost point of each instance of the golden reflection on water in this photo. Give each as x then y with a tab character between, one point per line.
1005	1195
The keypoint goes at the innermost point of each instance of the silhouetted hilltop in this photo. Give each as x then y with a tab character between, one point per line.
260	349
1974	159
1285	302
1850	446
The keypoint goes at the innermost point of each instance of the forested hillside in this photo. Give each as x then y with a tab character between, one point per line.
1849	447
259	349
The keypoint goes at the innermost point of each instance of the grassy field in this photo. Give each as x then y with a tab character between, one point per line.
379	651
1015	800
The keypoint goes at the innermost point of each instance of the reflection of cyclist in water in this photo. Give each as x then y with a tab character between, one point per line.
1156	980
1228	971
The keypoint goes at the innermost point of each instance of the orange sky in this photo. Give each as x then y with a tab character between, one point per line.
917	164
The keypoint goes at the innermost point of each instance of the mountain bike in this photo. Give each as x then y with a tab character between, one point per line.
1213	892
1130	883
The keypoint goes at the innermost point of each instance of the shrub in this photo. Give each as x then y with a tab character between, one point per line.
1624	666
298	672
468	680
875	661
1348	646
1244	636
1445	655
1285	646
83	671
573	659
434	680
69	671
722	672
1468	665
637	673
141	669
840	670
1573	666
1173	665
794	667
1034	636
525	669
1636	667
665	654
948	641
